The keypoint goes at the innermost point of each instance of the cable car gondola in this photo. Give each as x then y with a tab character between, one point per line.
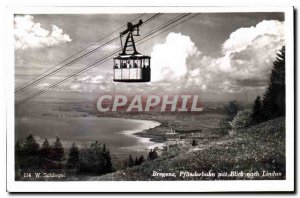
129	65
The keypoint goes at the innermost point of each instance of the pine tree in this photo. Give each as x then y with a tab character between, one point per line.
130	161
45	154
46	149
136	162
232	109
257	111
108	167
96	159
104	148
18	154
91	159
18	149
152	155
194	142
58	152
274	97
73	157
141	159
31	148
30	153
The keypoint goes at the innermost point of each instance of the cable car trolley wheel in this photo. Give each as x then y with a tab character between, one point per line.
131	66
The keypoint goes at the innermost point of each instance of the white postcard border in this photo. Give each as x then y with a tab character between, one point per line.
150	186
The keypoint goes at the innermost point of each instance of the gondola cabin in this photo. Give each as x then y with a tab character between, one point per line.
131	66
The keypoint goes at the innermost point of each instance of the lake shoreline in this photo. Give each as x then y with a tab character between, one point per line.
142	133
140	126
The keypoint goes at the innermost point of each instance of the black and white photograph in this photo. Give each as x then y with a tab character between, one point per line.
160	95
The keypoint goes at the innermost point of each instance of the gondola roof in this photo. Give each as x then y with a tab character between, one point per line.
131	56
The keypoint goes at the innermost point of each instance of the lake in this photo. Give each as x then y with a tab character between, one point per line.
116	133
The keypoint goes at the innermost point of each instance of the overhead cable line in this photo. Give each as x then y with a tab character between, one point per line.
103	59
79	58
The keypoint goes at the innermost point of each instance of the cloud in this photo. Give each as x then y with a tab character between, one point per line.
90	79
179	66
76	87
247	59
43	85
90	84
169	59
29	34
252	57
240	39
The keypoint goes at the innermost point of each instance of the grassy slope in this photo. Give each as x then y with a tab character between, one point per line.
257	148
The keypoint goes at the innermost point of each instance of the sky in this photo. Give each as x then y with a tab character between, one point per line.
218	56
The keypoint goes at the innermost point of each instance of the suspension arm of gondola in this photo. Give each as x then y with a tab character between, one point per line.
131	27
129	39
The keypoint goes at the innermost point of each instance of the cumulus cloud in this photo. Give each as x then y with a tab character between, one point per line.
29	34
249	52
43	85
246	61
169	59
178	65
76	87
91	79
240	39
90	83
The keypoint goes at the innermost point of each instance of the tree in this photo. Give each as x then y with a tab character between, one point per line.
30	157
73	157
104	148
232	108
194	142
19	149
241	120
137	161
130	161
45	154
141	160
152	154
257	111
46	149
31	148
57	151
18	154
108	167
96	159
274	97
